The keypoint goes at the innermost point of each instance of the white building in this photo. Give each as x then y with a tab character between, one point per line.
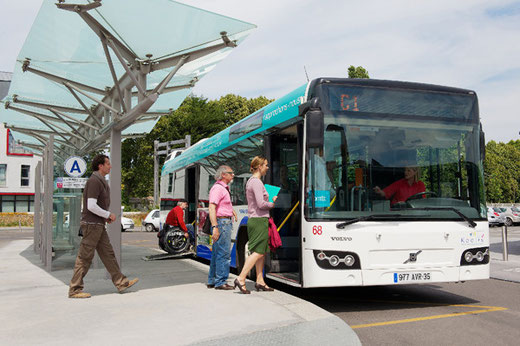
17	167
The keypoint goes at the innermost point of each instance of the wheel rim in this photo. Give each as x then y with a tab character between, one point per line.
149	228
176	241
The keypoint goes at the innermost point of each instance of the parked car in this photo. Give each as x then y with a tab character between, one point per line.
495	216
152	221
126	224
512	215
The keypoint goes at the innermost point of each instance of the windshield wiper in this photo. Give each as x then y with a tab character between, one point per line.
342	225
471	223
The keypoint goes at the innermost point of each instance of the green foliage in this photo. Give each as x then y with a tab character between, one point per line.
196	117
502	172
357	72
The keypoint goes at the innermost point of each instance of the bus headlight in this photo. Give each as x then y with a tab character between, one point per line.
475	256
337	259
349	260
334	260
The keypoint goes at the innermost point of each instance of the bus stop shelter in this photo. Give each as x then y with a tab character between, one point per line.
92	73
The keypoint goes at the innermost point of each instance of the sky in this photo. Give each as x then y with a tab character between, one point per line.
470	44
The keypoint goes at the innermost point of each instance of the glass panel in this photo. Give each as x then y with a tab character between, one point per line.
285	174
3	175
251	123
410	102
7	206
394	168
61	43
170	182
25	175
22	206
238	157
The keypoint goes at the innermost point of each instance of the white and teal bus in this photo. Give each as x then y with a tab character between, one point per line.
329	143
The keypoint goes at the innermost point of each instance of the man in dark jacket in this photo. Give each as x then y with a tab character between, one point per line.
96	200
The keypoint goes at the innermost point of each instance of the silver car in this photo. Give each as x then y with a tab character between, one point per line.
495	216
512	215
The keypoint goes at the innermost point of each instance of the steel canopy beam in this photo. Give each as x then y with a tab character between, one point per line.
99	29
60	80
47	105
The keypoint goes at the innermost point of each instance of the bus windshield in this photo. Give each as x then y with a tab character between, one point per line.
405	154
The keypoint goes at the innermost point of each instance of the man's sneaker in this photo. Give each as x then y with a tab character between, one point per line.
80	295
130	284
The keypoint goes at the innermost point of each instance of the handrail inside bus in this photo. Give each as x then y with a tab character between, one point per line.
288	216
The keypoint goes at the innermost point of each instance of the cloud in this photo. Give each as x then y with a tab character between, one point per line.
471	44
466	44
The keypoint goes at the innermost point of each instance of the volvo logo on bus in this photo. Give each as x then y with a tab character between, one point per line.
413	257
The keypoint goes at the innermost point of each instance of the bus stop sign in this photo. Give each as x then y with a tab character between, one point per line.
75	166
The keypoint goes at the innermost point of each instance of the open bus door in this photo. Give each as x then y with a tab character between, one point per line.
284	154
192	191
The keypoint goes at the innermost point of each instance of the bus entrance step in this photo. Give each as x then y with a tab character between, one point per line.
284	265
163	256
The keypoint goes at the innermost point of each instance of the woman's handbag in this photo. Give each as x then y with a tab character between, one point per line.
274	237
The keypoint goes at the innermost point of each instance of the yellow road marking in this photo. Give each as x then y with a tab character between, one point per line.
417	319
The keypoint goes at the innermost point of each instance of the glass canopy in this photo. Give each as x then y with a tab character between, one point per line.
81	58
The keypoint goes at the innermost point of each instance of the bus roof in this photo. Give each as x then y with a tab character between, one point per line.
281	110
275	113
381	83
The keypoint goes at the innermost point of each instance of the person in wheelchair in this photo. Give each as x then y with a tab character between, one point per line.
403	189
175	218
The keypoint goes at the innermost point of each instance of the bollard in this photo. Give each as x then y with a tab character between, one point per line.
504	243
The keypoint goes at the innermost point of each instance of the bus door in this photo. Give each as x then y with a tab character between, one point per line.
284	155
191	189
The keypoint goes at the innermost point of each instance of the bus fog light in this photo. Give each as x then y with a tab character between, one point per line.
468	256
334	260
321	256
349	260
480	256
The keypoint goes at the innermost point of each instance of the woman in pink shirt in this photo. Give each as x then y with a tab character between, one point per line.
258	206
403	189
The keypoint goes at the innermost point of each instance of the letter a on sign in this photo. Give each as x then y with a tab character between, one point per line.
75	166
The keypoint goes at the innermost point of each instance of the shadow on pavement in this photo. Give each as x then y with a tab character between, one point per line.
513	247
151	274
371	298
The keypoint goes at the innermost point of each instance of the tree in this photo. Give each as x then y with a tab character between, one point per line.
196	117
502	172
357	72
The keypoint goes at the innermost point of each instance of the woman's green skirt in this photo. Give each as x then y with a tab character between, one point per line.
258	232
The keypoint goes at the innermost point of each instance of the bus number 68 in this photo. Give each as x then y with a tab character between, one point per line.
316	230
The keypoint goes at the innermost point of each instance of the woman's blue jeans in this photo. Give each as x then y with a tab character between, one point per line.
221	254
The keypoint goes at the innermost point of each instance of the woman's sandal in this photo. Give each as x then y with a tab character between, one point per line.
241	287
263	288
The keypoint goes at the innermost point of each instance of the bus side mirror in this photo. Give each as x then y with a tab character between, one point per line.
315	128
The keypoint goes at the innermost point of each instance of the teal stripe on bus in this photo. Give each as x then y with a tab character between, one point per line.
275	113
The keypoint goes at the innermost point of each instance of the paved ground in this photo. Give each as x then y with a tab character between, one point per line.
170	305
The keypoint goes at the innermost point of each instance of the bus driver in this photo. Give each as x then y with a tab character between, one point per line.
403	189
